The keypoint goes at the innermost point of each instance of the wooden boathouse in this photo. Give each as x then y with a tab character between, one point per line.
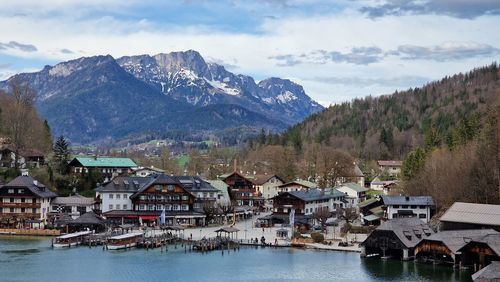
396	238
445	246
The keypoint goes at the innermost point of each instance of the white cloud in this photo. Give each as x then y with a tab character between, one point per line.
342	33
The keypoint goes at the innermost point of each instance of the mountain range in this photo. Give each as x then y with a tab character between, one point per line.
101	99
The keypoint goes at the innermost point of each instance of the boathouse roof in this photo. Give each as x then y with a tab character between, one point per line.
410	231
456	239
489	273
481	214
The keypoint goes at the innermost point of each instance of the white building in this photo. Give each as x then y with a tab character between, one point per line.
115	195
408	206
267	184
393	168
354	191
74	206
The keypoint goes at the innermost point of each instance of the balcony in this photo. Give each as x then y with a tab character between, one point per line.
19	205
19	215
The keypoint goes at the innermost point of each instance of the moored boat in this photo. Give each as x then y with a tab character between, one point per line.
124	241
69	240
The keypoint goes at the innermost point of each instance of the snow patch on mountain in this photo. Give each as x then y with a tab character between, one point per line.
224	87
286	97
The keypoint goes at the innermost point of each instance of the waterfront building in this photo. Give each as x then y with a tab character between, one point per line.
444	246
203	192
491	273
115	195
296	185
222	190
471	216
353	190
241	190
108	167
267	184
305	204
421	207
73	206
481	252
26	201
152	196
396	238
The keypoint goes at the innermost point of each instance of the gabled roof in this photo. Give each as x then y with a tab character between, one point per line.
128	184
157	179
151	168
316	194
407	200
353	186
390	163
456	239
33	185
482	214
357	171
300	182
367	202
75	200
194	184
489	273
103	162
260	179
89	218
407	229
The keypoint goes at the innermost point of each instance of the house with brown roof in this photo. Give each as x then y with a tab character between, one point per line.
25	200
296	185
267	184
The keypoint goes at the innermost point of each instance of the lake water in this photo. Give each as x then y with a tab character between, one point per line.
30	259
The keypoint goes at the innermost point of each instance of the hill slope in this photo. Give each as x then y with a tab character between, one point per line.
390	126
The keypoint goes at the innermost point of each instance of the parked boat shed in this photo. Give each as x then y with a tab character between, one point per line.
471	216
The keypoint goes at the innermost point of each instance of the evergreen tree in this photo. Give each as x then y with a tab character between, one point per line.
413	163
61	155
47	135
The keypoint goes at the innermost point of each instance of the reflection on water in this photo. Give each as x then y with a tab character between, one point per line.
411	271
254	264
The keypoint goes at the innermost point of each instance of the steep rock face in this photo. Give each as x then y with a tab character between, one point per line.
100	98
186	76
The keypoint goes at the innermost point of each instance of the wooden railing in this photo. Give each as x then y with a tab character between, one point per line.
30	232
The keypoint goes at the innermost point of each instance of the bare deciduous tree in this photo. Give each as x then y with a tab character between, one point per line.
322	215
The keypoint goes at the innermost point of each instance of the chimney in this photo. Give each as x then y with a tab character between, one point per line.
35	182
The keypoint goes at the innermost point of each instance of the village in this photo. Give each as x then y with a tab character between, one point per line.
148	207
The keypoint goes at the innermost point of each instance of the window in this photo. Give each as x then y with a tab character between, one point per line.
394	215
422	215
176	207
117	196
110	196
413	207
175	197
185	207
170	187
151	207
23	200
142	207
168	198
33	210
110	207
125	207
404	206
11	191
168	207
158	187
185	197
159	207
396	206
118	207
23	210
422	207
11	209
20	191
125	196
12	200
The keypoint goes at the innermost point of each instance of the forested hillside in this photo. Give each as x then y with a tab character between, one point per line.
442	112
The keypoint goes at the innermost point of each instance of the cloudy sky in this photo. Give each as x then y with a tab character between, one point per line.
337	49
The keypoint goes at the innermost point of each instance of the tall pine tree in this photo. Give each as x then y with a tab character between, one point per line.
61	155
